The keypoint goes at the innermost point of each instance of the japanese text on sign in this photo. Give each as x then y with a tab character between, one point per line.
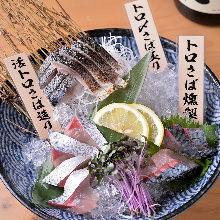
191	76
36	103
145	33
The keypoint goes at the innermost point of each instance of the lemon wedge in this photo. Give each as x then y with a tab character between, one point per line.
156	129
123	118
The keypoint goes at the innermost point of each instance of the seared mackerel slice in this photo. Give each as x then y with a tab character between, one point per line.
77	70
176	138
100	77
197	136
113	76
102	52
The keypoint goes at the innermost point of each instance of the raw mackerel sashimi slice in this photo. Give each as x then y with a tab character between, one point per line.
58	156
85	199
78	195
163	160
76	131
60	174
69	145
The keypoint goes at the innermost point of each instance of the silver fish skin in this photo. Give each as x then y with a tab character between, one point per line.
69	145
71	185
65	169
67	83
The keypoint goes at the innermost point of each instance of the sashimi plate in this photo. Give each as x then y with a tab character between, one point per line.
19	174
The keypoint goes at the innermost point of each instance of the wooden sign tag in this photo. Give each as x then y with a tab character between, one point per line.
36	103
191	77
145	33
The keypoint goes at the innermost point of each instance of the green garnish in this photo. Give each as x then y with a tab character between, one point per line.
104	163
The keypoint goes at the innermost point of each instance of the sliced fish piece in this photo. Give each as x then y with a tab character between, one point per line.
100	62
60	174
167	156
162	164
100	77
102	52
54	83
67	83
72	183
69	145
80	73
48	75
85	199
176	138
197	136
76	131
92	130
58	156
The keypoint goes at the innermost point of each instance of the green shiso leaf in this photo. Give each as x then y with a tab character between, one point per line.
128	95
209	130
210	133
43	192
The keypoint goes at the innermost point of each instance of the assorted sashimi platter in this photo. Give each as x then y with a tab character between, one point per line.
114	150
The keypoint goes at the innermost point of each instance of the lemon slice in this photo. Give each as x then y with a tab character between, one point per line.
124	119
155	125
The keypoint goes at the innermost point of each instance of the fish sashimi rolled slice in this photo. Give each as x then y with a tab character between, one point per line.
101	78
58	156
60	174
102	52
69	145
76	131
100	62
80	73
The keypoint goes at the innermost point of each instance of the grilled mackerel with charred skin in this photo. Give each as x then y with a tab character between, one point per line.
85	61
103	53
100	62
82	74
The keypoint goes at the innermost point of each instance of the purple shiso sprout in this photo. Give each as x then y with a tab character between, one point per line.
130	184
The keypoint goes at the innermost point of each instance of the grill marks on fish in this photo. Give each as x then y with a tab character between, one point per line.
98	60
99	76
77	69
86	61
102	52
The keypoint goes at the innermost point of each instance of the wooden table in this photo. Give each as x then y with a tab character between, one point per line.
93	14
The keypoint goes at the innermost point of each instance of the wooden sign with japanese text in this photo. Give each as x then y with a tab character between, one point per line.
191	77
145	33
36	103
